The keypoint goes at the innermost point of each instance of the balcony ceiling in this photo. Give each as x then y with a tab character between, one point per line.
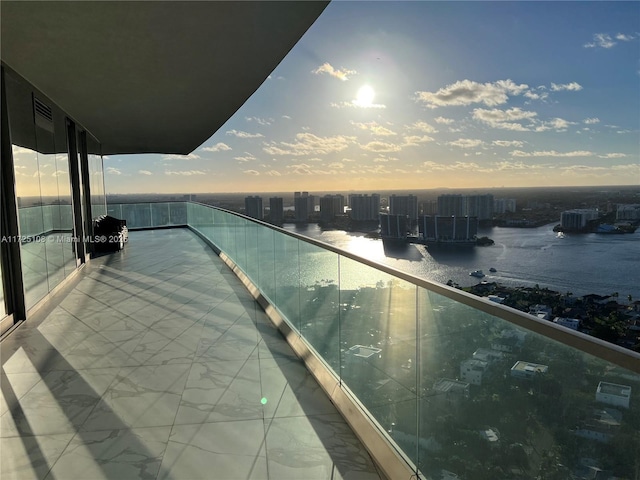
151	76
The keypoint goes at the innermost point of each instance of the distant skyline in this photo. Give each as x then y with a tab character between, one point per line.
402	95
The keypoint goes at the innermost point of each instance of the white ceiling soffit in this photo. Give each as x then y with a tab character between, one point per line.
151	76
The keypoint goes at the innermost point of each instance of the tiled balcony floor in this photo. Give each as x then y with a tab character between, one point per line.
159	365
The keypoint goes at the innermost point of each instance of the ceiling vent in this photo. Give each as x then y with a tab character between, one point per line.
43	114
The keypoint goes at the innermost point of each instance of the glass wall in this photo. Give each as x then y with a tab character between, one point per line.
96	178
43	189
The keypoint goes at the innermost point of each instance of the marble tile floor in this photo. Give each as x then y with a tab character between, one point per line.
158	364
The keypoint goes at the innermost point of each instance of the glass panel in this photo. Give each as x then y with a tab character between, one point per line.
496	398
267	264
160	214
96	178
53	247
378	339
253	259
137	215
178	213
287	278
66	227
320	302
115	210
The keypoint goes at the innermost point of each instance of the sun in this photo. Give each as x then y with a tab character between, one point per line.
365	96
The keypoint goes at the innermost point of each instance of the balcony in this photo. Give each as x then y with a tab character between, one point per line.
388	349
159	364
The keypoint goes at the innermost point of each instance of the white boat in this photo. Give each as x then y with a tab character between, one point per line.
477	273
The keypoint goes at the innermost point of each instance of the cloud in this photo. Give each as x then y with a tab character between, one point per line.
381	147
414	140
335	165
508	143
506	165
259	121
309	144
624	38
466	92
466	143
171	156
613	155
112	171
241	134
601	40
538	93
443	120
340	74
355	103
552	153
422	127
251	172
591	121
286	117
558	124
247	158
273	173
218	147
374	128
573	86
186	173
145	172
504	119
434	166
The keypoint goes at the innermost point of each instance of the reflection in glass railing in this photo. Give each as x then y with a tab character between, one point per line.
150	215
462	393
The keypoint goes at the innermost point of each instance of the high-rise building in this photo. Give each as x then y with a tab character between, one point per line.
404	205
304	205
504	205
393	226
253	207
480	206
276	210
578	218
364	207
330	207
447	229
451	205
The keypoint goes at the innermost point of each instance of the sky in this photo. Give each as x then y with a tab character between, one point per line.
417	95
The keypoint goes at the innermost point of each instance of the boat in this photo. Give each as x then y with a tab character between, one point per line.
492	270
477	273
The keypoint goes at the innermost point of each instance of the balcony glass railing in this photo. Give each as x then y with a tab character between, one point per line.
461	386
150	215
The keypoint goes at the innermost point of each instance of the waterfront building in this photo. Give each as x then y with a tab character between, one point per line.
429	207
304	205
479	206
331	206
577	219
451	205
406	205
504	205
447	229
364	207
253	207
276	210
613	394
393	226
629	212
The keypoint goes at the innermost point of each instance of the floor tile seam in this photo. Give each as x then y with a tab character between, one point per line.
47	475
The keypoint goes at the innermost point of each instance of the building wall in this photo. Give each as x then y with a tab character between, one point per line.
364	207
253	207
276	210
